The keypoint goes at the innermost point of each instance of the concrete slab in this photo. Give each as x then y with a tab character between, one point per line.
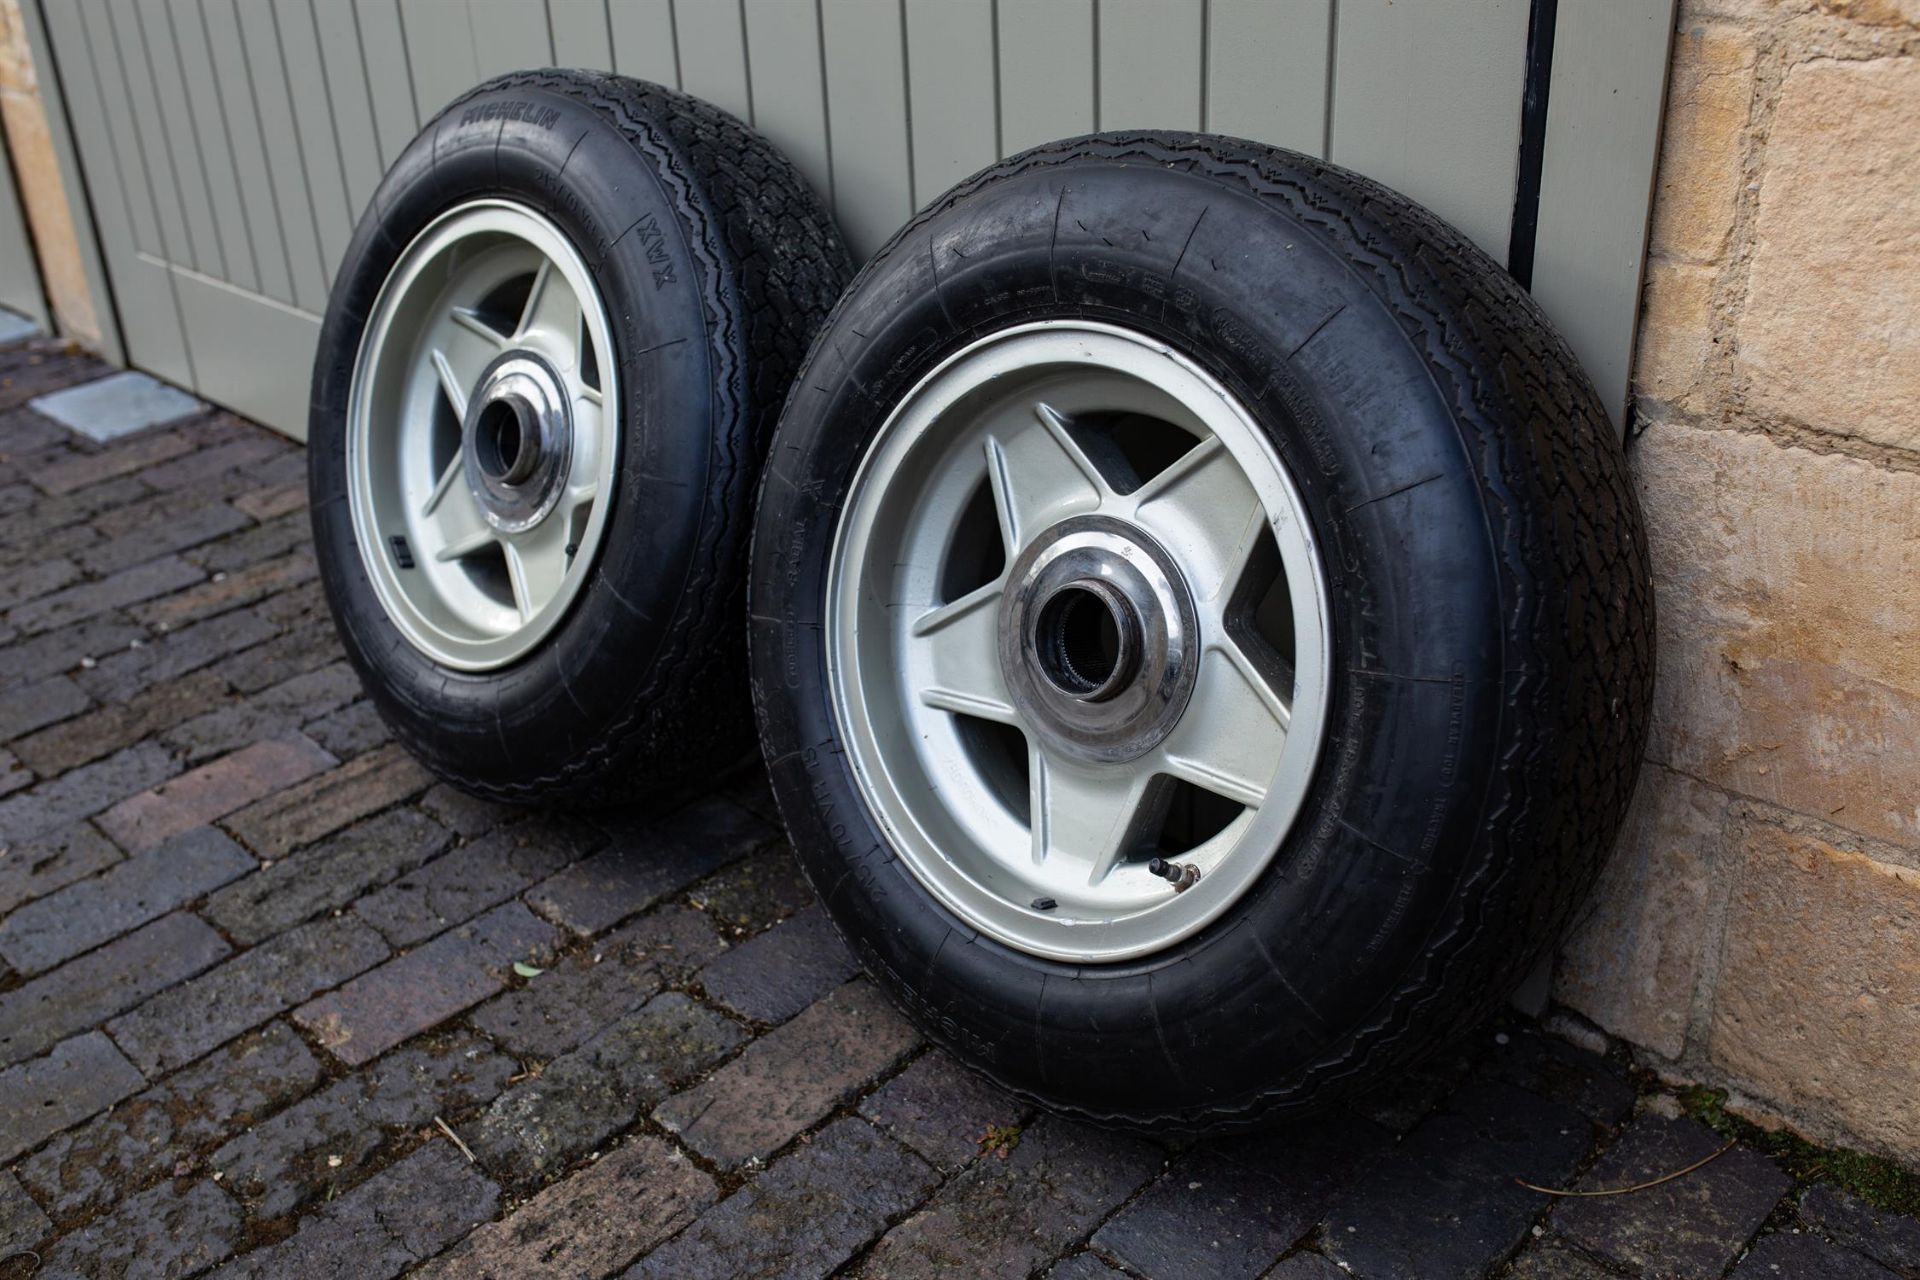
117	405
15	327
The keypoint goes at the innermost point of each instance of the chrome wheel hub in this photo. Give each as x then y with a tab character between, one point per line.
1077	641
517	441
1098	640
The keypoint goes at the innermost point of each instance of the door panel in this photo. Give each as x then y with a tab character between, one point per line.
230	145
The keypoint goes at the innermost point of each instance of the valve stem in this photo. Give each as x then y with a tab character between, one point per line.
1181	875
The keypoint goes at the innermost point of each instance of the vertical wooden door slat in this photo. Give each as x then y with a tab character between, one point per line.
234	78
867	111
789	90
1150	64
1046	71
352	105
130	59
508	35
207	98
143	288
1267	71
261	42
713	54
1603	141
182	140
96	44
581	36
1427	99
950	74
439	51
383	51
643	41
319	147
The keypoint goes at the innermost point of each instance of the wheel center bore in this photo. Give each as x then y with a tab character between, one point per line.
1098	638
507	439
1086	637
518	440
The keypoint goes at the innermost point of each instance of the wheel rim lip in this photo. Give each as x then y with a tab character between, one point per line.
882	778
372	518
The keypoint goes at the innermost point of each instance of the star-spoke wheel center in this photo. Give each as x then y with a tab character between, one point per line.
517	440
483	434
1097	639
1077	640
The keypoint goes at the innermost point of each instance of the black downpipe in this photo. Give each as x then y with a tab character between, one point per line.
1533	141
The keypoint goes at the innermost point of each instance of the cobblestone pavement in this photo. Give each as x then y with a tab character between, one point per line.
266	986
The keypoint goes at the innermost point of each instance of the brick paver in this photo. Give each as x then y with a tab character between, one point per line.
253	958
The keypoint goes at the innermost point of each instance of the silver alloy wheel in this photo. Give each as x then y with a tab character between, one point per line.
1077	640
483	434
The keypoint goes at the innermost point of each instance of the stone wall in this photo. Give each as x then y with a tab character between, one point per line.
1759	927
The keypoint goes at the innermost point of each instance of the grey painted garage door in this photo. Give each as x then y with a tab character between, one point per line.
229	145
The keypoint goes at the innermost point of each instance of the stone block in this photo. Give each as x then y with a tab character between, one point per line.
82	916
324	1142
1233	1207
1444	1202
38	867
1830	335
584	1097
1819	978
407	995
1632	961
299	815
942	1110
177	1026
80	1077
94	987
1689	1228
777	974
1008	1217
1788	593
1675	340
404	1213
212	791
325	875
790	1078
805	1216
117	405
582	993
162	1232
153	1133
1709	96
592	1224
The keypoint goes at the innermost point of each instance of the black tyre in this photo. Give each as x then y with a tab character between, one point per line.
552	358
1202	630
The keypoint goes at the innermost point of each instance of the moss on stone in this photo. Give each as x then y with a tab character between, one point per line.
1882	1183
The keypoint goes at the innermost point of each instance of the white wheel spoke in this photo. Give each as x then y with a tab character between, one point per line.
1207	515
450	385
1040	476
1089	816
536	565
449	476
1230	738
469	319
456	527
959	662
460	356
552	315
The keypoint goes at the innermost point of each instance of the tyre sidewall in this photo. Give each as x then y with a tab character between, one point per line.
1300	968
565	161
